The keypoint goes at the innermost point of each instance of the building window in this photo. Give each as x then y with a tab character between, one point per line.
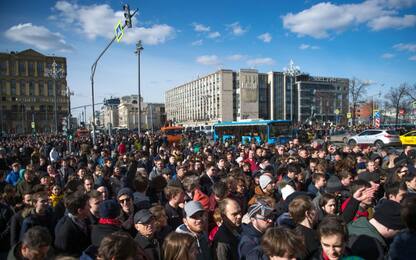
22	87
50	88
40	69
22	68
12	68
41	88
31	88
3	87
3	67
13	87
31	66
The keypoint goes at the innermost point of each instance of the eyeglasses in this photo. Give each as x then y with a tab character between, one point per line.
124	200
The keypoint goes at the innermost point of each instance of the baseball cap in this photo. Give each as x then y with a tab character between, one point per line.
192	207
142	216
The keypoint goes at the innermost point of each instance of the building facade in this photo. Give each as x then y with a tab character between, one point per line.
28	95
226	95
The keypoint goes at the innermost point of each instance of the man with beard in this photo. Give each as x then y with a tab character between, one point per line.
193	224
225	243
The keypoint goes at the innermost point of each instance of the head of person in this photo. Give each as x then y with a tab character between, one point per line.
302	211
211	169
180	246
358	184
159	164
161	219
144	222
109	209
292	171
125	199
333	236
266	184
387	219
371	166
16	167
95	199
88	183
261	215
328	204
280	243
345	177
28	175
41	202
395	190
408	212
410	180
36	243
194	218
231	212
104	192
319	180
174	194
77	204
220	190
118	245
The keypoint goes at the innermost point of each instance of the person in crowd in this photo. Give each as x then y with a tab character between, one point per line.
161	226
266	187
410	180
157	170
95	199
402	246
318	184
175	196
14	175
261	217
193	224
34	245
368	238
27	184
88	183
125	199
209	178
119	245
304	215
328	204
73	226
180	246
225	243
193	192
144	222
108	223
56	195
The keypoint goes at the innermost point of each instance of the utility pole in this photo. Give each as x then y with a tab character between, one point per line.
127	23
139	48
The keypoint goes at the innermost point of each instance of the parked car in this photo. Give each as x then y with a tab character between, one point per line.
378	137
408	138
340	136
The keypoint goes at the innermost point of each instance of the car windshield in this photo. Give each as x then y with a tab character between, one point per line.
392	132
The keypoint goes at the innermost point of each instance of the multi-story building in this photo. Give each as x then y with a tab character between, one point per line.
152	115
109	112
247	94
28	95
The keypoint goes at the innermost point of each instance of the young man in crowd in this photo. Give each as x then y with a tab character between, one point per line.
144	222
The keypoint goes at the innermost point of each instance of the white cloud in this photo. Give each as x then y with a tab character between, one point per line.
323	19
304	46
237	29
387	56
412	58
197	43
265	37
213	35
405	47
260	61
395	22
37	36
201	28
208	60
236	57
99	20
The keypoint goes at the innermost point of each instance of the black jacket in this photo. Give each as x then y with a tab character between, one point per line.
6	214
70	239
150	246
99	231
225	243
311	239
250	238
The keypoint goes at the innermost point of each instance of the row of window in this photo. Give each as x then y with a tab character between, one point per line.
23	68
31	88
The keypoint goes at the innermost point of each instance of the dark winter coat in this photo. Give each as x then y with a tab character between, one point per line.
250	238
99	231
150	246
70	238
403	246
225	243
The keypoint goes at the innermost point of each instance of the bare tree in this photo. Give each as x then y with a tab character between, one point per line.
398	98
357	90
411	93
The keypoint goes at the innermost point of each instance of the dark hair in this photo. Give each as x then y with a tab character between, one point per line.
333	225
95	194
358	184
293	168
280	241
140	183
323	200
316	176
177	245
172	191
344	173
409	177
75	201
36	237
209	165
117	245
393	188
408	212
220	189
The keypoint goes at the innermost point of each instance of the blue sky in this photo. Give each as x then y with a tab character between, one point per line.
372	40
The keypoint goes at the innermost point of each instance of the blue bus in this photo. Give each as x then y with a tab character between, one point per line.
258	131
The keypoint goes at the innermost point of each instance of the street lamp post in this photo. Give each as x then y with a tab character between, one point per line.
55	74
139	48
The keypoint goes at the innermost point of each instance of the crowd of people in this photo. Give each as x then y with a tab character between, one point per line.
138	197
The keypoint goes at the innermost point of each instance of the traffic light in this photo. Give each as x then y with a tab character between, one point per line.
127	15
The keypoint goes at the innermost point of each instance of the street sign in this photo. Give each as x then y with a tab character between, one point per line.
377	118
401	111
119	31
337	111
349	115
